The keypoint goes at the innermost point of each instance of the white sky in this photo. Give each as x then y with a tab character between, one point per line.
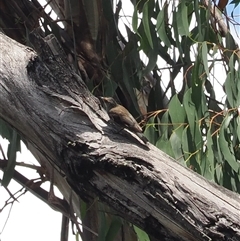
31	219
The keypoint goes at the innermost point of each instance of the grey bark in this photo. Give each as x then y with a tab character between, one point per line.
66	127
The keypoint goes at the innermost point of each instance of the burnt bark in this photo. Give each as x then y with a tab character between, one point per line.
67	128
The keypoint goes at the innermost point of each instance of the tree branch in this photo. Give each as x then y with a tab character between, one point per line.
67	129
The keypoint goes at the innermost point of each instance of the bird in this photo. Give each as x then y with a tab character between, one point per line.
222	4
122	116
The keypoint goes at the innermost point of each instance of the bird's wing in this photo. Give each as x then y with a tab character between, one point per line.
119	115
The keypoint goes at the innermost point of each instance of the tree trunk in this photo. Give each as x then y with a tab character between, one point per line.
67	128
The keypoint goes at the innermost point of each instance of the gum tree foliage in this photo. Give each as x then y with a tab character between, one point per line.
168	70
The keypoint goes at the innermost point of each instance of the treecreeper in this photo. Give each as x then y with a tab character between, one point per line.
122	116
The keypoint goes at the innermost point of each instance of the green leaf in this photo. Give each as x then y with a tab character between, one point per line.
198	19
113	229
204	57
192	118
135	20
185	144
182	19
229	90
142	236
237	78
177	112
189	150
5	130
189	106
115	61
238	126
13	147
226	145
236	3
152	60
178	118
206	170
109	87
176	35
102	225
164	128
232	84
197	87
210	154
165	146
83	209
219	174
217	152
234	182
92	13
231	47
176	143
161	28
128	84
146	24
150	131
204	105
144	45
164	125
107	11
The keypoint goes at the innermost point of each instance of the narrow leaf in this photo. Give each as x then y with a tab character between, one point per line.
176	112
226	145
182	19
146	24
219	174
176	35
113	229
204	57
152	60
161	28
165	146
135	20
11	154
210	154
176	143
150	131
142	236
193	122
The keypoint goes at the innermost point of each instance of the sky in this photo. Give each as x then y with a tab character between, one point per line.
31	219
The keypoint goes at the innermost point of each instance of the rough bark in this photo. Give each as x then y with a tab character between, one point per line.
67	128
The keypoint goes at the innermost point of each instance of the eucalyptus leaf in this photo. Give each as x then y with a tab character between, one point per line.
135	20
146	23
13	147
142	236
226	145
161	28
113	229
182	19
204	57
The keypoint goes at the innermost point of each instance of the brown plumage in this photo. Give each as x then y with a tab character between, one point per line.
222	4
122	116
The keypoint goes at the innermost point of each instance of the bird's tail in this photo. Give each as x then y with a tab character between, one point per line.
142	137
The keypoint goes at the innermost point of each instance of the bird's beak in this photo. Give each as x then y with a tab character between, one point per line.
102	98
